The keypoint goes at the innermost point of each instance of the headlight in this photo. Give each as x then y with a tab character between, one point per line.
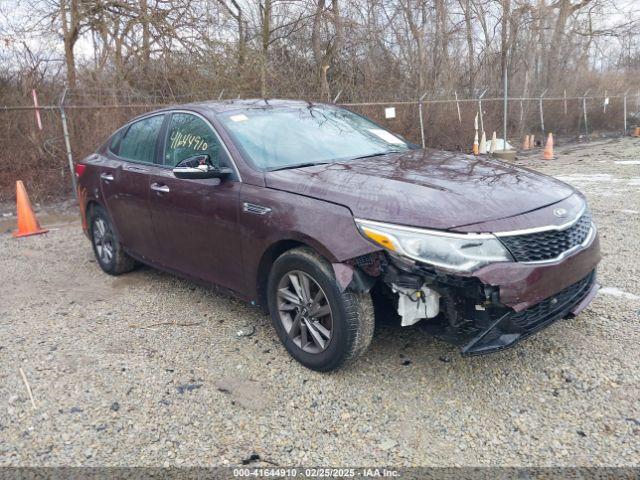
453	251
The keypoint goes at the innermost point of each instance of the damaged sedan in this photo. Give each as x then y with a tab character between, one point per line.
327	221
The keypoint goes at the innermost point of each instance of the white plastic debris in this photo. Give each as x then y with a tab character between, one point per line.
500	145
415	305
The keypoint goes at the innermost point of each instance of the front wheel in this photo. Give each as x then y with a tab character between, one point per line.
320	326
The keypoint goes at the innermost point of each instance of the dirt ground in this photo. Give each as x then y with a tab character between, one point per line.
149	369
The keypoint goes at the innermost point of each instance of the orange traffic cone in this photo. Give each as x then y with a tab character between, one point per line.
27	222
475	144
525	144
548	148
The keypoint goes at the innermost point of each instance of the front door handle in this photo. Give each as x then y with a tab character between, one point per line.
159	188
107	177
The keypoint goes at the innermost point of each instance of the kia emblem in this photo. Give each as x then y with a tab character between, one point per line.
560	212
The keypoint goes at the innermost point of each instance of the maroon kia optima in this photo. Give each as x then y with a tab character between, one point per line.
318	214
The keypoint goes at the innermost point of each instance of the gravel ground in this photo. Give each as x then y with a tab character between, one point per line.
148	369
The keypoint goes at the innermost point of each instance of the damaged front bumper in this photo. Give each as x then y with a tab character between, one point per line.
487	310
493	334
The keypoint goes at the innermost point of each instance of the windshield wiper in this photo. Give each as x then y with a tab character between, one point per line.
377	154
297	165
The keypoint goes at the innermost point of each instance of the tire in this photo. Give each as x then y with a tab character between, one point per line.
350	321
106	244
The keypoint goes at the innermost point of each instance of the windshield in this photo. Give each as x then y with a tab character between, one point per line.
286	137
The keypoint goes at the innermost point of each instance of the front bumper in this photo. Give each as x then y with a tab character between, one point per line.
532	298
506	329
494	307
512	327
524	285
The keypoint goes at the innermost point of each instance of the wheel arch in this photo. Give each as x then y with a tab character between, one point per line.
90	206
86	210
273	252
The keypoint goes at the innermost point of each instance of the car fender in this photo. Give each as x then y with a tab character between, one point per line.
270	217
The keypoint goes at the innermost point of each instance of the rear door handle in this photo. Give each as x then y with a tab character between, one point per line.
107	177
159	188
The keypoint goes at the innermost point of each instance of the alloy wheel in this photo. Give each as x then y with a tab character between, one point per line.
103	240
304	310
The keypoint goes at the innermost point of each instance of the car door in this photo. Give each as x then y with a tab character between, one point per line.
195	221
124	182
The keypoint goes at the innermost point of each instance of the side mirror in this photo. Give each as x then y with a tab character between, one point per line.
199	167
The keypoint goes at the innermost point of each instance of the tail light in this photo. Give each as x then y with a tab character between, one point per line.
80	168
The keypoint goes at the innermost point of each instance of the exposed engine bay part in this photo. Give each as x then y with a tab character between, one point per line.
467	310
416	305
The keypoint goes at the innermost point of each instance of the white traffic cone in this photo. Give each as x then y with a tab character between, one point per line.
483	144
494	142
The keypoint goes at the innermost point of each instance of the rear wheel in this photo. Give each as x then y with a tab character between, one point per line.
106	244
320	326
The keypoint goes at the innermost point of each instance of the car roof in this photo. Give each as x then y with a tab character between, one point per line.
222	106
237	105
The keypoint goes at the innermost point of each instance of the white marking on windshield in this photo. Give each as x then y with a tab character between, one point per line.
241	117
386	136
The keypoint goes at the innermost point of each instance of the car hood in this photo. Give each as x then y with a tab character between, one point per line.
425	188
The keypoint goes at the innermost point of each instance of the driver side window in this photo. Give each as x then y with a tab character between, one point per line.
189	136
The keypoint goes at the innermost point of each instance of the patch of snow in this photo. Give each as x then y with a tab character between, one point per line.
627	162
599	183
616	292
629	211
586	178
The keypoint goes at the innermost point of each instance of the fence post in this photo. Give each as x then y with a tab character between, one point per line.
505	108
458	107
480	110
565	102
421	118
521	114
67	143
584	111
542	111
604	103
624	110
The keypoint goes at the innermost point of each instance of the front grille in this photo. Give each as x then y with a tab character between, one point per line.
535	247
534	317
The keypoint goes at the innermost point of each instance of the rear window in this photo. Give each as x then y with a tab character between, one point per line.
114	142
139	142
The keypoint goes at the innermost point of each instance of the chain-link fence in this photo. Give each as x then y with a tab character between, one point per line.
40	157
